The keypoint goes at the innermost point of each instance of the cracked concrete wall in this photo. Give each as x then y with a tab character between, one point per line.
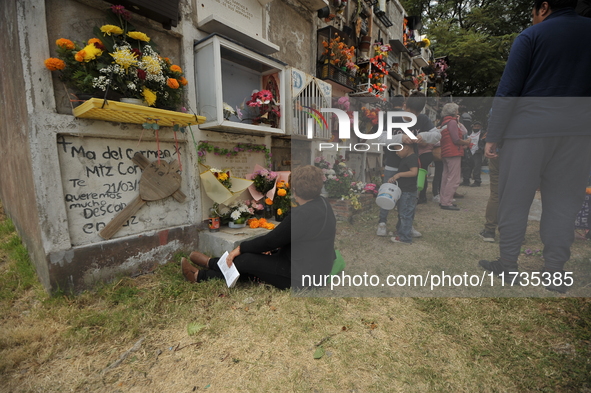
17	188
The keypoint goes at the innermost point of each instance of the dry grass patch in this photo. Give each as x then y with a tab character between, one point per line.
256	338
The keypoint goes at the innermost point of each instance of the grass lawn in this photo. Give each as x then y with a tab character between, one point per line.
158	333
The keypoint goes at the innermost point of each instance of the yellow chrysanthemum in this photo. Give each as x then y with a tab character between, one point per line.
91	52
93	40
172	83
137	35
125	58
151	65
65	43
222	176
53	64
281	192
176	68
149	96
79	56
111	29
279	212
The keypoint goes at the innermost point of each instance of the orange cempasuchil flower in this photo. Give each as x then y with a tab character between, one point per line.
279	212
65	43
176	68
253	223
281	192
269	201
53	64
183	81
262	220
172	83
94	40
269	226
281	184
80	56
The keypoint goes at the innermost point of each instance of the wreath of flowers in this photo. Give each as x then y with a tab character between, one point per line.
206	147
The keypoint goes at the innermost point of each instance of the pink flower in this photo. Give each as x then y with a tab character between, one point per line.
265	96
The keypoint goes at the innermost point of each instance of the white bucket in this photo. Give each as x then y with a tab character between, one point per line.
388	195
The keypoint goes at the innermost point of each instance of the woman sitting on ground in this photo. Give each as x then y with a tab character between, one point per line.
303	244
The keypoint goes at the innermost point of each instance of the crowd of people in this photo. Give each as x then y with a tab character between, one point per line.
527	149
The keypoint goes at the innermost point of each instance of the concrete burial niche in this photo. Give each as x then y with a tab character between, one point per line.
65	178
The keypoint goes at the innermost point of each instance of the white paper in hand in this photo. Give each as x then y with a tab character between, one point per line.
230	273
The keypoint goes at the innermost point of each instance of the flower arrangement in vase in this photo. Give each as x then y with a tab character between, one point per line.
239	212
260	109
119	59
282	200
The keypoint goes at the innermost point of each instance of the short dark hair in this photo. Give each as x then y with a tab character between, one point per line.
416	102
397	101
555	4
306	182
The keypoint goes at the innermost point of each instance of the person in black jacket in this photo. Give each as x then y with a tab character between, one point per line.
303	244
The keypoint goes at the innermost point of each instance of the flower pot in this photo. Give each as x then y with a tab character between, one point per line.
232	224
279	218
135	101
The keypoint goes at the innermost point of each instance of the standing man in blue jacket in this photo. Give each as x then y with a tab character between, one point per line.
541	117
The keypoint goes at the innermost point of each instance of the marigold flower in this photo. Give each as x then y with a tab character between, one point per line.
262	221
138	35
279	212
149	96
79	56
281	184
53	64
176	68
269	201
172	83
111	29
93	40
183	81
281	192
253	223
269	226
65	43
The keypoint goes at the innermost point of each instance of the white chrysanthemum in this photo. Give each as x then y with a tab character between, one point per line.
235	215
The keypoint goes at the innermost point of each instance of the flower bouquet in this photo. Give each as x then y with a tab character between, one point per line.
220	186
263	182
119	59
261	108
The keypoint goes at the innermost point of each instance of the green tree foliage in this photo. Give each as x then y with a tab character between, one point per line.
476	35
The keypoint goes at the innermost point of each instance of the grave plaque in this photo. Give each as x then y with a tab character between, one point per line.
99	180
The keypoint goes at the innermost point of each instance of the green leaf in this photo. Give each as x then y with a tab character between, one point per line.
319	353
194	328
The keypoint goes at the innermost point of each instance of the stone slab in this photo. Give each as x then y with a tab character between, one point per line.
216	243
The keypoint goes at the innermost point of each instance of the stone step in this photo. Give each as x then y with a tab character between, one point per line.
216	243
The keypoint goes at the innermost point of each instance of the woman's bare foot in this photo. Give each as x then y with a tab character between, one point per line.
199	259
189	271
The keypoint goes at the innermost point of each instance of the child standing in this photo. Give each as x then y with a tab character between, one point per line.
407	181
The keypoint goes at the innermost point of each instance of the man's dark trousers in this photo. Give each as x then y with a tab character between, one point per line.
559	166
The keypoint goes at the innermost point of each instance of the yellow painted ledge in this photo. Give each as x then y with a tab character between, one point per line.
129	113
